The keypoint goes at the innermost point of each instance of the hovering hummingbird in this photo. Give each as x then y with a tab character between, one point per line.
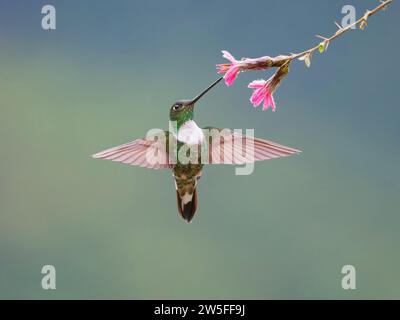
188	134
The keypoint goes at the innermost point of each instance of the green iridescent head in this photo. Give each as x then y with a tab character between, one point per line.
182	110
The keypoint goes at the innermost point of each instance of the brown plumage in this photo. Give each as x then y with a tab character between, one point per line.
186	177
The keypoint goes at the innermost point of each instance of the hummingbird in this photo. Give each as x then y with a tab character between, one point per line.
187	134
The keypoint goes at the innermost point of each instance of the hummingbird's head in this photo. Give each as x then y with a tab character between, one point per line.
182	110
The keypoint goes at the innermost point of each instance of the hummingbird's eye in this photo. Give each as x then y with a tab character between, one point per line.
177	106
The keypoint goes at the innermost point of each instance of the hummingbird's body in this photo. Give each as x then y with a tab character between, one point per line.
188	135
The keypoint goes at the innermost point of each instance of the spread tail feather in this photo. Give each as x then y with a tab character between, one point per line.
187	205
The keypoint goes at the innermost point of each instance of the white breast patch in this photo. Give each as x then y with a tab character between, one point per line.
190	133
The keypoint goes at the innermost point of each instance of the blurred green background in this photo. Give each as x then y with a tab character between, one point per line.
111	71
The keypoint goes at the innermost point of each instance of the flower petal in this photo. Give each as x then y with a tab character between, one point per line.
259	94
231	75
253	99
228	56
257	97
267	102
273	106
257	84
255	102
223	67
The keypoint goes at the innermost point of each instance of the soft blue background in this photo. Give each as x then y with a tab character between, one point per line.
110	72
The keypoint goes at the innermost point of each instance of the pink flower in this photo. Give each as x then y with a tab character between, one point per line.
231	70
263	90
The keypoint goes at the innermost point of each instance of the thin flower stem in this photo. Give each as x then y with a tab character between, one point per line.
341	30
263	90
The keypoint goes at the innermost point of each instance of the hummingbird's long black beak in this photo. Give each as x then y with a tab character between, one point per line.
195	99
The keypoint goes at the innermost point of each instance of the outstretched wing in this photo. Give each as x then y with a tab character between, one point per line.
151	152
233	148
